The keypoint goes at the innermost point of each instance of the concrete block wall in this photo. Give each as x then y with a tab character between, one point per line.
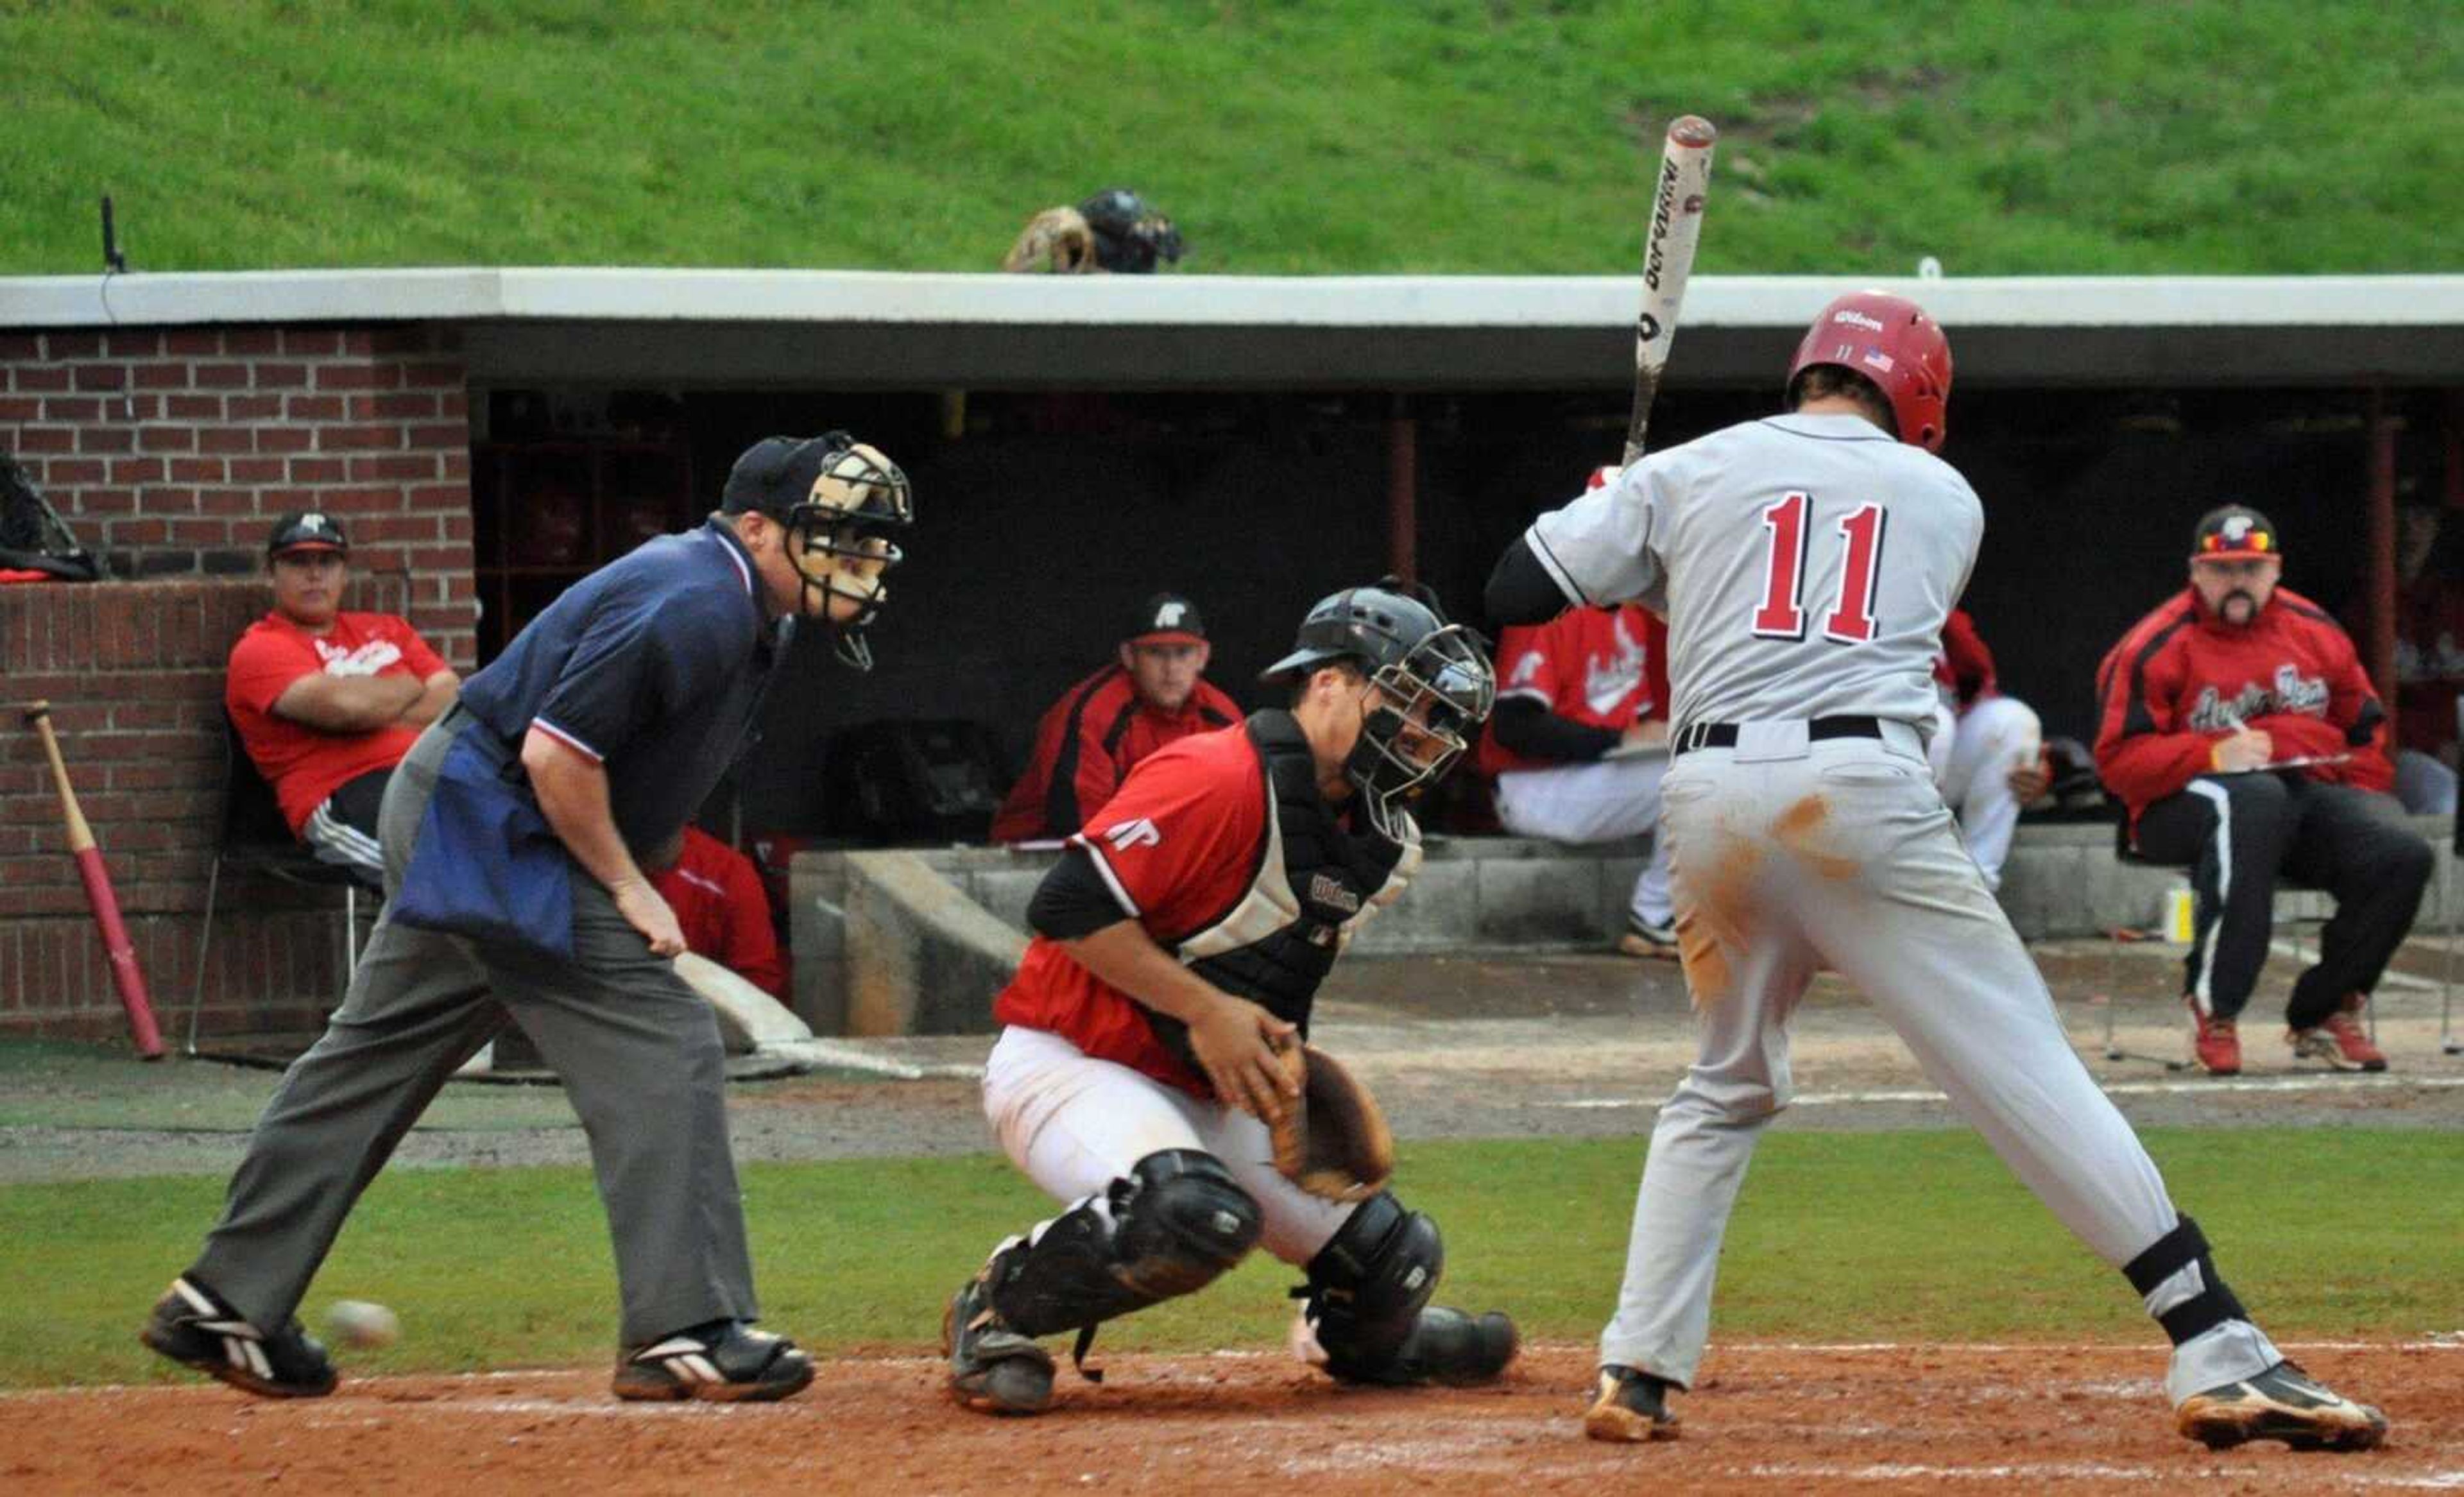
861	931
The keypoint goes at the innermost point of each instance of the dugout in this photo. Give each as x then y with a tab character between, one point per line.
1076	442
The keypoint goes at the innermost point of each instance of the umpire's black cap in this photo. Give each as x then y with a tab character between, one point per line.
778	472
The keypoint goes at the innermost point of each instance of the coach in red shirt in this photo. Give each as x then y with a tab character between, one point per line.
327	702
2239	729
1152	693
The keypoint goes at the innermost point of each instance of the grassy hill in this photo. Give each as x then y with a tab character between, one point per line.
1351	136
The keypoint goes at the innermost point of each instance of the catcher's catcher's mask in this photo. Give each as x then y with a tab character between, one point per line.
840	501
1433	682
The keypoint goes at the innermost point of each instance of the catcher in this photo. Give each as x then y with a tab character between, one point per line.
1154	1028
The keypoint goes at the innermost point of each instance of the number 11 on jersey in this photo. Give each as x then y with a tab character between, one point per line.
1782	614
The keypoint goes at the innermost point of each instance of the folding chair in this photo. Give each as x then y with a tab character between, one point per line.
255	839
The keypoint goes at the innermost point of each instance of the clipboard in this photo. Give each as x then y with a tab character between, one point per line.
2296	762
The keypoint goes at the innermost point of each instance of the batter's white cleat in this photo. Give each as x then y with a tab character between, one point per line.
2280	1403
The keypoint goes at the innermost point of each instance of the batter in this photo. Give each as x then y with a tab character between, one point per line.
1806	563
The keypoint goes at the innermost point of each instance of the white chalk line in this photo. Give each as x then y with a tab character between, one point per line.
2322	1082
2437	1341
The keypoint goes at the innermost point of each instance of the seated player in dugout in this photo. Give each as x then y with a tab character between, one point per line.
1179	944
2239	730
1988	749
1151	694
327	702
721	907
1580	701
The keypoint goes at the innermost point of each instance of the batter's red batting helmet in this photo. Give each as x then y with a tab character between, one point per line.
1889	340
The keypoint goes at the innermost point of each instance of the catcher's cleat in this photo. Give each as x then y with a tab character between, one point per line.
1645	939
191	1325
2216	1042
993	1369
2339	1040
1445	1346
1632	1406
2280	1403
723	1362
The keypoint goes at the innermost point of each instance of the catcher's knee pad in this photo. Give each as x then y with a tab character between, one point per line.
1367	1287
1170	1227
2203	1300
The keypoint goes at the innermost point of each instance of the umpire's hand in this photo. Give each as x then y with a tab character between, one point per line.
646	911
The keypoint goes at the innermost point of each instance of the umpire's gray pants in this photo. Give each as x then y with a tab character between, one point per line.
641	1060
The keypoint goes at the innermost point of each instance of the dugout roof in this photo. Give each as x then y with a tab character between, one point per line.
883	330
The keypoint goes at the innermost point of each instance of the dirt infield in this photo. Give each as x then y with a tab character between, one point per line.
1766	1419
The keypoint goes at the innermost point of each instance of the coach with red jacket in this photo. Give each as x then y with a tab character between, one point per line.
2239	729
1155	692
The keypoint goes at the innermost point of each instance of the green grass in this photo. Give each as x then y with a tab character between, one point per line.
1358	136
1839	1236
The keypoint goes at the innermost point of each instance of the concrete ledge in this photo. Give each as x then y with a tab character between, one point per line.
920	941
887	944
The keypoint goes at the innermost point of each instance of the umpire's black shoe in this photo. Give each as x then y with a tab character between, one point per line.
993	1369
1631	1406
2280	1403
723	1362
191	1325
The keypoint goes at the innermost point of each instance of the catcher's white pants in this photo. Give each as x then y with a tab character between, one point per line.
1790	855
1074	1124
1972	754
1600	801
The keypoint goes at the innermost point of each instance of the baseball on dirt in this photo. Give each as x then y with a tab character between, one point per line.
362	1323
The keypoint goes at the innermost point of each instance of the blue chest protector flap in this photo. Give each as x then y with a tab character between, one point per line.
486	864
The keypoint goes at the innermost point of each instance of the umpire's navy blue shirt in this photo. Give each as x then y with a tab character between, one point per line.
652	666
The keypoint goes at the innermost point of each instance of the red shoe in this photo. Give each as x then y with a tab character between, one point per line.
2215	1043
2340	1039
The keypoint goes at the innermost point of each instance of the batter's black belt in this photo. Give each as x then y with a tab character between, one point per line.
1724	734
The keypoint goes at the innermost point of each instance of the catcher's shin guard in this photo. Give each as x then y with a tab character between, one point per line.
1169	1227
1367	1316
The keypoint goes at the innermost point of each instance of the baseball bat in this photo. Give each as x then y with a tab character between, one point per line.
98	896
1668	258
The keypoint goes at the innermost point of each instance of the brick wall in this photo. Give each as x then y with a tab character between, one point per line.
171	451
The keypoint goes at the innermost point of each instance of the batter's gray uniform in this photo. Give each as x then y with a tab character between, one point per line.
1805	565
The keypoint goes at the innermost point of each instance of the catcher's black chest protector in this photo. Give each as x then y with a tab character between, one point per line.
1315	881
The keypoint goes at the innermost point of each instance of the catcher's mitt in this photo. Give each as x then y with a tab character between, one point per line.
1333	1141
1058	240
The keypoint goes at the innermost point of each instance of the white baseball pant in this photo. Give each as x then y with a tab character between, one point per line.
1074	1124
1600	801
1972	754
1790	855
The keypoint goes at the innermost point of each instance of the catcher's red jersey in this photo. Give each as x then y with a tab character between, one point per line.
1179	846
1603	668
2179	680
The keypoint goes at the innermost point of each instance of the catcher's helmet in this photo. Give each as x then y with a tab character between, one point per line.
1432	676
1889	340
1130	234
843	500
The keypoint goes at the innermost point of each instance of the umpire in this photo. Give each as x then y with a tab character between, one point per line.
510	836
